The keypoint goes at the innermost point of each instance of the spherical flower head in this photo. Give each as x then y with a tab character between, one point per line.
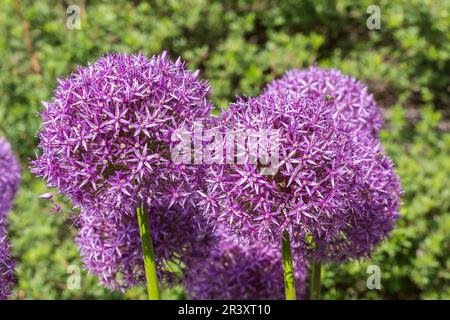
373	204
111	247
354	103
311	173
9	177
319	189
241	272
7	264
106	136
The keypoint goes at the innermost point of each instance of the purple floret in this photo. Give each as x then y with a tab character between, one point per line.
9	185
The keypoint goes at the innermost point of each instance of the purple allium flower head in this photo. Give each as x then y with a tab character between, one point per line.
111	246
241	272
336	196
9	177
106	135
7	264
355	105
9	184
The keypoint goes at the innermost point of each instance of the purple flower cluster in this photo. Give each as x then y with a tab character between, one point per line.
106	142
241	272
111	247
372	206
9	184
9	177
7	264
355	105
334	195
106	135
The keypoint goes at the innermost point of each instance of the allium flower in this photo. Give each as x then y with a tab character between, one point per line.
355	105
9	184
335	196
9	177
7	264
372	207
241	272
111	247
106	135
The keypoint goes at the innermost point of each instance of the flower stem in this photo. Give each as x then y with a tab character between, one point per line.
289	280
149	254
315	280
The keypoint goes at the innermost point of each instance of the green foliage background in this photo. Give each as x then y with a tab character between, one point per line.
240	46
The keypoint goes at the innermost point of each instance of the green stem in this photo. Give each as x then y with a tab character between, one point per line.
149	254
289	280
315	280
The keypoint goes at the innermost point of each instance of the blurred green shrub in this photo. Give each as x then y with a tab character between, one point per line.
239	46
